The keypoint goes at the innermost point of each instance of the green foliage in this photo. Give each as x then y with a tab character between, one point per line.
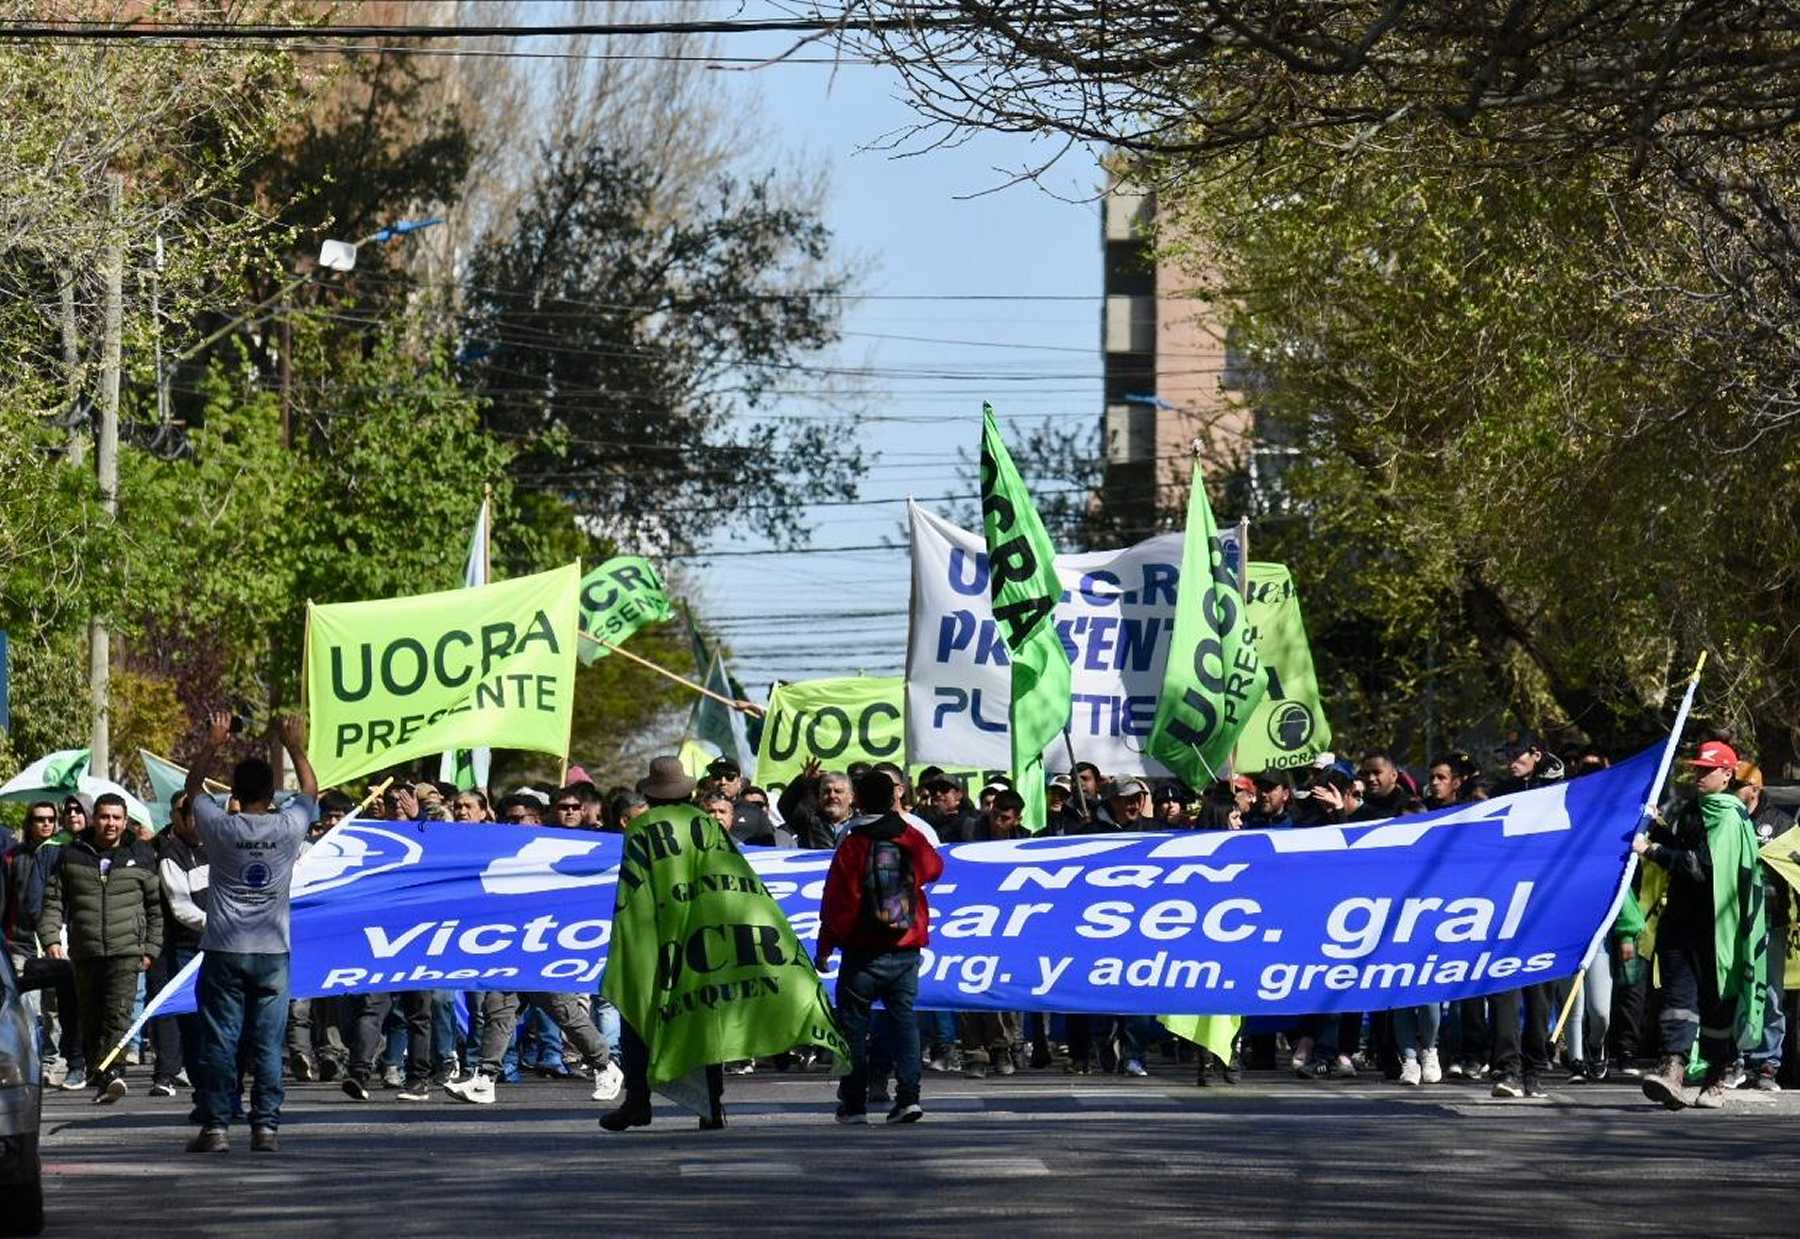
635	339
1527	475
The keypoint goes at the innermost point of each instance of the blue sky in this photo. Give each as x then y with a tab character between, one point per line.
925	240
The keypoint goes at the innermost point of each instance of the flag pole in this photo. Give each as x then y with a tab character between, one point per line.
1650	803
160	999
1243	584
662	670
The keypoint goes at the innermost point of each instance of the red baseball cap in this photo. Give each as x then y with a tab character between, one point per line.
1244	783
1714	755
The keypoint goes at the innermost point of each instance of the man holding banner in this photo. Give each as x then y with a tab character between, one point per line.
243	991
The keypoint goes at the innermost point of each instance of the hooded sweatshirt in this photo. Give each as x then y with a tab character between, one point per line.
842	922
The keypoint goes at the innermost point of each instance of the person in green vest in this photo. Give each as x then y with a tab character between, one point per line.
1712	937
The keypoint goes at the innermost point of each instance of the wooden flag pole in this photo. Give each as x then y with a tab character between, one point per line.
743	706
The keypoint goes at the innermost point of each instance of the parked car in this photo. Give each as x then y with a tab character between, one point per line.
21	1100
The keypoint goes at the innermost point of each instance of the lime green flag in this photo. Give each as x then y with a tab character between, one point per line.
1214	677
1023	584
837	721
1287	728
618	598
702	962
1210	1032
401	678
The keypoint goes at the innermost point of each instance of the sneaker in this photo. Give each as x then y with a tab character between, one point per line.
262	1140
1456	1071
745	1068
1343	1068
356	1089
1411	1072
1509	1087
391	1078
1317	1069
181	1080
1578	1074
1040	1056
938	1062
209	1140
849	1117
878	1092
301	1067
1003	1064
161	1088
414	1090
478	1089
114	1090
1712	1096
1735	1076
906	1112
328	1069
134	1057
1430	1072
1668	1086
1134	1068
1532	1089
74	1082
1627	1070
607	1083
974	1070
1597	1071
449	1071
1076	1067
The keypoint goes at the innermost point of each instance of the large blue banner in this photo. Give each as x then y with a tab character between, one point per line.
1465	901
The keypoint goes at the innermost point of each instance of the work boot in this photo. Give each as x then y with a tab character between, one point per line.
209	1140
634	1113
1668	1086
263	1140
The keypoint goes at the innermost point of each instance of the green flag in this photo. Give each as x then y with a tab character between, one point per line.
702	962
1740	928
1023	584
1214	678
618	598
1287	728
401	678
838	721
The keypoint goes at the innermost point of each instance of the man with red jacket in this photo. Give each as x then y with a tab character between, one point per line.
874	908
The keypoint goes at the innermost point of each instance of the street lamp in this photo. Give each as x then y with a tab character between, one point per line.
341	255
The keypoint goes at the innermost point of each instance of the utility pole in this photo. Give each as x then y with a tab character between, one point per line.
71	344
286	365
106	459
162	379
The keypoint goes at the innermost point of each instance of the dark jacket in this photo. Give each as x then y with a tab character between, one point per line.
841	919
799	806
1778	900
21	899
1681	847
116	912
965	825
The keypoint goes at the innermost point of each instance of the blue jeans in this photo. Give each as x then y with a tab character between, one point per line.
241	997
893	977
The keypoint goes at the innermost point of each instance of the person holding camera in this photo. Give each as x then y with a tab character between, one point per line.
243	988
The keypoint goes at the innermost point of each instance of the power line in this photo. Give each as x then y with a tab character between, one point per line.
922	18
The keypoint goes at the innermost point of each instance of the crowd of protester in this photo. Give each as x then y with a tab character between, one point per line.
102	913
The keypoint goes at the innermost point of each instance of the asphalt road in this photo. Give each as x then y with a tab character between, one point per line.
1037	1153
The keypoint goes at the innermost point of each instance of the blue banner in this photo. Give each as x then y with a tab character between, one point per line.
1472	900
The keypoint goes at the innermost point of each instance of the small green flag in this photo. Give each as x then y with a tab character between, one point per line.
1287	728
618	598
703	964
1214	677
1023	584
401	678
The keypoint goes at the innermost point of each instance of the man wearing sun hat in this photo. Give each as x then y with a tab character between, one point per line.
1712	937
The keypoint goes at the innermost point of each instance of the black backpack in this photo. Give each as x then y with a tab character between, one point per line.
888	886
